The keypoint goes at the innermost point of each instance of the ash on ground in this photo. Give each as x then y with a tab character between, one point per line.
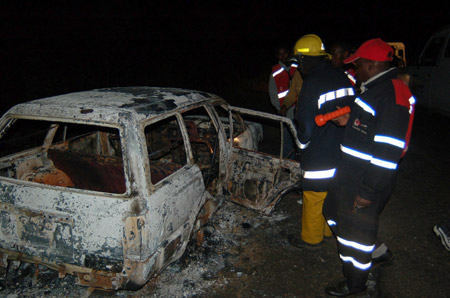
220	260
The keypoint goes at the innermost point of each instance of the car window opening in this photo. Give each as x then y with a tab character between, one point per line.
70	155
204	142
165	148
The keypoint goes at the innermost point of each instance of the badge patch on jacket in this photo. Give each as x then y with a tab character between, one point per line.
358	126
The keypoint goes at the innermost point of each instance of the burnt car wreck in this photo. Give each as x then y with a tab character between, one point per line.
109	185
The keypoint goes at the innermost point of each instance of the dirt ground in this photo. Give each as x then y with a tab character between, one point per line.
246	254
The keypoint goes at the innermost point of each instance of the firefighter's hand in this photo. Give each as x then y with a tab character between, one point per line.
283	111
341	120
360	203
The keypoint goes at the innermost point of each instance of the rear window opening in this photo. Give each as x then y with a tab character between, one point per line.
79	156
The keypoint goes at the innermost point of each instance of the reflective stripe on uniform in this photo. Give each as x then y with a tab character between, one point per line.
303	146
356	263
412	101
277	72
373	160
364	106
389	140
355	153
332	95
383	163
283	94
351	78
356	245
331	222
319	174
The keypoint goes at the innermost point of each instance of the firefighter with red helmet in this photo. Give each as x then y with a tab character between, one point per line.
377	134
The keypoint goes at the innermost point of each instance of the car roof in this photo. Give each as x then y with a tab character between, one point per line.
113	104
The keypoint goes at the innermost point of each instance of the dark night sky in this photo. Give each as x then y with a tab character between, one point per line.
52	49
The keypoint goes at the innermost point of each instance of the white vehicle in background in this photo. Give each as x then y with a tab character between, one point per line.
109	185
430	78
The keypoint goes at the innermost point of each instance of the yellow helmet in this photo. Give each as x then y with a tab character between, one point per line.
310	45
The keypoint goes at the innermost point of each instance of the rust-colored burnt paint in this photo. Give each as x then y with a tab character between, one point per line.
87	277
101	280
98	173
55	177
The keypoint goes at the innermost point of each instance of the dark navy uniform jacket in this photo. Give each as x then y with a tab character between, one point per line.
324	89
376	136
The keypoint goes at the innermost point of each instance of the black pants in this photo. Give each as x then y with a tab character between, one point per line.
356	232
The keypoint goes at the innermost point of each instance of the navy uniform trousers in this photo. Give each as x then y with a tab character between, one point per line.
356	231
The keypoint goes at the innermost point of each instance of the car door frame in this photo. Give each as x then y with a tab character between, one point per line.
259	180
167	197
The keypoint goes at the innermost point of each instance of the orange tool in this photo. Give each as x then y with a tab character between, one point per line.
324	118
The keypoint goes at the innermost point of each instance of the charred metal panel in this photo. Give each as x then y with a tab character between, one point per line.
259	180
253	178
6	225
87	277
68	228
109	105
251	189
174	203
43	231
103	263
136	235
101	280
173	247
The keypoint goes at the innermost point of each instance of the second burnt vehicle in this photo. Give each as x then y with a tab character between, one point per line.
430	77
109	185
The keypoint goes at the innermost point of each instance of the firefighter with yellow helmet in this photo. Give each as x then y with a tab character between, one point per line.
310	45
324	89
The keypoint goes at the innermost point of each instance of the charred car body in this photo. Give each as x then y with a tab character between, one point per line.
109	185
